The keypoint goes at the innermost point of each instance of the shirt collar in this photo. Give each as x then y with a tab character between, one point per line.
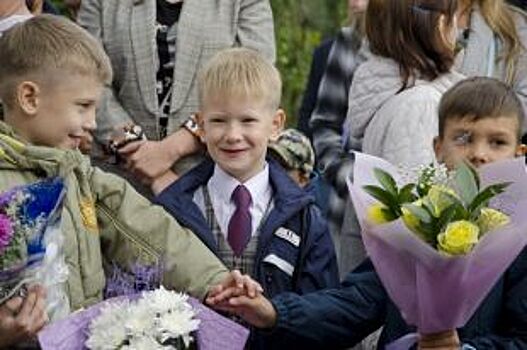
257	185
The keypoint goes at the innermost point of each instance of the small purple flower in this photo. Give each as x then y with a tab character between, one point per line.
6	231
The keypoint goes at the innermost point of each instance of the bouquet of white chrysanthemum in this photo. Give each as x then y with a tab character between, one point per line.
440	241
160	319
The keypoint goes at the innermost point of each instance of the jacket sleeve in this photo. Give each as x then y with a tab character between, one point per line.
110	112
333	318
256	28
134	229
318	260
512	334
331	109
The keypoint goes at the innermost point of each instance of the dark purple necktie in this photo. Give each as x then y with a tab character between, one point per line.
240	224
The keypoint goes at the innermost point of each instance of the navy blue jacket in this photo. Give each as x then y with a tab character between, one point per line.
339	318
294	209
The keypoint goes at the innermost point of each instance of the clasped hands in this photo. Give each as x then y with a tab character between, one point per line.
242	296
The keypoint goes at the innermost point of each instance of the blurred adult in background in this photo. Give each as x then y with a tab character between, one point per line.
330	109
157	48
493	42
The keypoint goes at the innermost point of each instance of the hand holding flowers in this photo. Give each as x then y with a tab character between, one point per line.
21	318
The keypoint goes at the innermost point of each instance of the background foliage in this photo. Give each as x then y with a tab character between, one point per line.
300	25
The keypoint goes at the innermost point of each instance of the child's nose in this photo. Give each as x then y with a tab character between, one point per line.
90	122
479	154
233	132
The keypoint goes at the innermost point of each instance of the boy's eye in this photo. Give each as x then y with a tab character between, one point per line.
217	120
249	120
463	139
85	105
498	143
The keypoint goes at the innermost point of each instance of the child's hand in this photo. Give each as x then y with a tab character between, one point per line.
447	340
257	311
22	318
235	284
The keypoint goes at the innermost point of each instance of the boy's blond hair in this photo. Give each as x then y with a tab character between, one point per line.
44	47
241	72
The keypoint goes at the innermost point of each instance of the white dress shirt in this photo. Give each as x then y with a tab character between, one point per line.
220	187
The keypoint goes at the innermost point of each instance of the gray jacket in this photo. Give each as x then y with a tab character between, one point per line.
396	126
127	30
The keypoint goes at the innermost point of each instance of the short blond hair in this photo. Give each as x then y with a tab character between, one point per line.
241	72
43	45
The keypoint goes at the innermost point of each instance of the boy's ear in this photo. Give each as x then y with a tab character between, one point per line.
521	150
279	118
438	149
27	96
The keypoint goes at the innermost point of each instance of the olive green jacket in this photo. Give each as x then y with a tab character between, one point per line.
105	221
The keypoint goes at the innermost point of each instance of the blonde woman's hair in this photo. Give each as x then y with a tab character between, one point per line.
46	47
500	18
241	72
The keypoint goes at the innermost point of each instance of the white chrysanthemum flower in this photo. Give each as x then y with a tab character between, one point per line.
178	324
147	323
106	331
141	320
162	300
145	343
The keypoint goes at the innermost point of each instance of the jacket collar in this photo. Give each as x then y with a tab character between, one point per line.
17	154
288	200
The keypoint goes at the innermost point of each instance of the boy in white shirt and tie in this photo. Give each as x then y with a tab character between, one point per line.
244	207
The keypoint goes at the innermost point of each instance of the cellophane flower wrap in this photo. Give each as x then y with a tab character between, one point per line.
158	319
31	242
440	245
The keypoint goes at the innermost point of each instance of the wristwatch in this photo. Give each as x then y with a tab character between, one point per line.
191	124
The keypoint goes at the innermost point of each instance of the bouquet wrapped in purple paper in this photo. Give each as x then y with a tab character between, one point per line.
439	241
31	242
158	319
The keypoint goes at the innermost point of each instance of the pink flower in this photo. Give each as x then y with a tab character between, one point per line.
6	231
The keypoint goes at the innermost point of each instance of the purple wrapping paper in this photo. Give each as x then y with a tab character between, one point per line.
436	292
215	332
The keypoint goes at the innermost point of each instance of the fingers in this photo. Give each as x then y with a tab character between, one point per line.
224	295
246	282
237	277
131	148
252	287
28	306
13	305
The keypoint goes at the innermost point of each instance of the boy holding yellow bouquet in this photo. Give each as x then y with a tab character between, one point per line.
480	121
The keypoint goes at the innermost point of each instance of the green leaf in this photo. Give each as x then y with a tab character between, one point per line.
466	183
386	181
484	196
406	194
382	196
422	214
453	213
